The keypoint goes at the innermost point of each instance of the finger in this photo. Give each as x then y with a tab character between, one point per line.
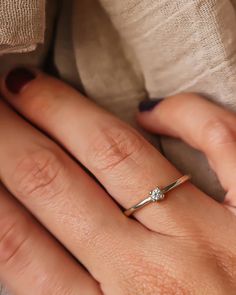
127	165
205	126
62	196
30	259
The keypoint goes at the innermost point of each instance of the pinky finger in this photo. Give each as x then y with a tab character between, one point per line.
31	261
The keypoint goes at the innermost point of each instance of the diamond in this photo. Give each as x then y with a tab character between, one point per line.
157	195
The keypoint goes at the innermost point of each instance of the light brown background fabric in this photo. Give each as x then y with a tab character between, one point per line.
122	51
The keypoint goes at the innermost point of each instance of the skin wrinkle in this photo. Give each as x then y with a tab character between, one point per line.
145	278
113	147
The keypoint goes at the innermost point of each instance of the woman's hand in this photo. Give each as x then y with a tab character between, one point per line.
184	245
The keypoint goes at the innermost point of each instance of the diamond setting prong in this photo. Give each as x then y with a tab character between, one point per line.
157	195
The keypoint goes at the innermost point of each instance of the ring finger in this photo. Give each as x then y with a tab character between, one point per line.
127	165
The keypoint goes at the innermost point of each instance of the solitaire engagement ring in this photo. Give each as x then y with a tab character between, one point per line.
157	195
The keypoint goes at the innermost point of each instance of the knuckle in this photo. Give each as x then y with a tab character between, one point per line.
39	174
13	237
114	146
215	132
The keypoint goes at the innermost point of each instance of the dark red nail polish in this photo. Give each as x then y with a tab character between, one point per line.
148	105
18	78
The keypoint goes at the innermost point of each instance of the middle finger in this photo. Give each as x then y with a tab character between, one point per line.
61	195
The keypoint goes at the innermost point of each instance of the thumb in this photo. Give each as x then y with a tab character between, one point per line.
203	125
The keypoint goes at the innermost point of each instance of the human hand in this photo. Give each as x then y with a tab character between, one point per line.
183	245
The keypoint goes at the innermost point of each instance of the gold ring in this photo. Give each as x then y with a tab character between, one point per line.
157	195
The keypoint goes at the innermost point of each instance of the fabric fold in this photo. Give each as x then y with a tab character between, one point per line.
22	25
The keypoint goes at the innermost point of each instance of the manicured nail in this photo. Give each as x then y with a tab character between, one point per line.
18	78
148	105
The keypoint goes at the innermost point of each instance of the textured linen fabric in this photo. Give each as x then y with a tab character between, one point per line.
22	25
35	58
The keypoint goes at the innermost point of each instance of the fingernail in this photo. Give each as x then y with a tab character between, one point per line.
18	78
148	105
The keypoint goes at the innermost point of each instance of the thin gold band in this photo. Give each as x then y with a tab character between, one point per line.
157	195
